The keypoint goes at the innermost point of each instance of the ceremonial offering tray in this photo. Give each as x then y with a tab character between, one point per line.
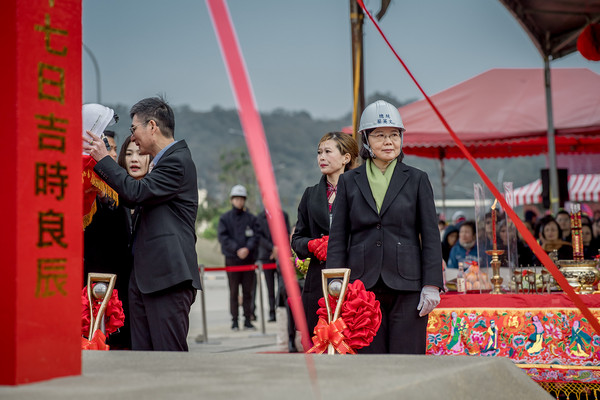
476	280
582	275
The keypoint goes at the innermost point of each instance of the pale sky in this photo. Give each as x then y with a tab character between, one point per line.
298	53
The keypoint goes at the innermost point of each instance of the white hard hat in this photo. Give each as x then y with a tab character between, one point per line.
378	114
96	118
458	215
238	191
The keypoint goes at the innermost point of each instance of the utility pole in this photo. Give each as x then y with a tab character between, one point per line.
356	30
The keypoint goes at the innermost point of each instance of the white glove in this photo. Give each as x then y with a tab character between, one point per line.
430	298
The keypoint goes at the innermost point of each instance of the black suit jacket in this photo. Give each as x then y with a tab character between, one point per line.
265	241
400	244
164	253
106	244
313	222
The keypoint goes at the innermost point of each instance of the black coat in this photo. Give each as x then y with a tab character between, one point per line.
265	242
313	223
106	250
400	244
106	244
164	232
238	229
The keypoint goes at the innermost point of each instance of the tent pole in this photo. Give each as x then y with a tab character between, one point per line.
554	200
443	179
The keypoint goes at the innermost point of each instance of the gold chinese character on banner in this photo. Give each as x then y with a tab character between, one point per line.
51	229
51	277
48	31
55	139
51	177
51	83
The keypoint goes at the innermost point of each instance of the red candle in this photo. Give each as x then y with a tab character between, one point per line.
494	224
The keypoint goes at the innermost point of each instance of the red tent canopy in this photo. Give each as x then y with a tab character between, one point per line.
502	113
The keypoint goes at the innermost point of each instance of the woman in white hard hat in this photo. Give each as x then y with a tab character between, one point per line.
384	229
336	153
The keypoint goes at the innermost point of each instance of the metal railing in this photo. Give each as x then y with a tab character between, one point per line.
258	267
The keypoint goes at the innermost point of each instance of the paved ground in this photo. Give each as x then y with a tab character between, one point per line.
220	337
247	364
166	375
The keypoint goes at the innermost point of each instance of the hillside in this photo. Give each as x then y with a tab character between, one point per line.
218	148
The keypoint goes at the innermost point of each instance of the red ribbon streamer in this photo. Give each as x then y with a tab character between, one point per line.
533	244
326	334
261	160
237	268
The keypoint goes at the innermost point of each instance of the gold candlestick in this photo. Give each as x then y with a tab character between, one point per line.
496	278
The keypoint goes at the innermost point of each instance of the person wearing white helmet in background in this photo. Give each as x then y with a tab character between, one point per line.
237	234
458	218
384	228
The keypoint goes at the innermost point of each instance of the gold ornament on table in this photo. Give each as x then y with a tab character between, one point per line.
581	274
546	278
531	281
495	253
517	278
496	278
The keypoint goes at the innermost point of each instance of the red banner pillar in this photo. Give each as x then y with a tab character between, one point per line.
41	204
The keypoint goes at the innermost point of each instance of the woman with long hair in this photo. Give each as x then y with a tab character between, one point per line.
137	165
129	158
336	153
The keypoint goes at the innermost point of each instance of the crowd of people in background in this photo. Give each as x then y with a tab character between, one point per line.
552	232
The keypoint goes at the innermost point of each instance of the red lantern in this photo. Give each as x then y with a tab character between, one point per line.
588	42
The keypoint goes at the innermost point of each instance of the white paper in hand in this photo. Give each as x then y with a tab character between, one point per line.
96	118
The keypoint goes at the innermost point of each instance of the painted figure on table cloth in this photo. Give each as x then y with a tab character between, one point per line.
579	341
491	347
459	327
536	339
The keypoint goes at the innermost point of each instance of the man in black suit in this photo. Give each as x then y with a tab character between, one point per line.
165	274
267	253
